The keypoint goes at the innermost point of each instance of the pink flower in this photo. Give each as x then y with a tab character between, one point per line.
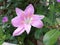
58	0
25	19
4	19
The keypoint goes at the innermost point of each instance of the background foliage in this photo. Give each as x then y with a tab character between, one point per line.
50	31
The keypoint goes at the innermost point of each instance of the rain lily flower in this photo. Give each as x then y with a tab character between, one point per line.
4	19
25	19
58	0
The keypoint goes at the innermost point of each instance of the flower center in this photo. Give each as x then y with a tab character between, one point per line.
27	20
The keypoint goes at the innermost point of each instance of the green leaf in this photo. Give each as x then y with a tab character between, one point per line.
1	0
58	20
46	19
38	33
51	37
2	36
30	43
1	42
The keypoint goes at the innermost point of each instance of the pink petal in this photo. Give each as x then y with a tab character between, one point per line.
58	0
27	28
18	31
19	12
38	17
29	9
37	23
16	22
